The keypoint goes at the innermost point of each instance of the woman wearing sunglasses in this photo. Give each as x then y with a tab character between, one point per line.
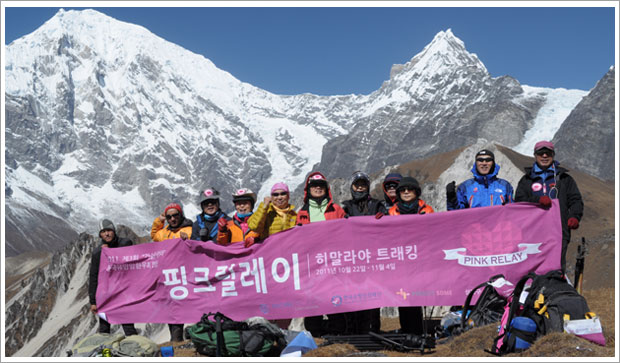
362	204
178	226
274	214
408	202
236	229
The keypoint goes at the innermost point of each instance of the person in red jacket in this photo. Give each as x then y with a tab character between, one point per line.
408	202
319	206
318	202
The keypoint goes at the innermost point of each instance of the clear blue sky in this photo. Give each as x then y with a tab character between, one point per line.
330	51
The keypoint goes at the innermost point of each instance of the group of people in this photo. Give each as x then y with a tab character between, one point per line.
543	181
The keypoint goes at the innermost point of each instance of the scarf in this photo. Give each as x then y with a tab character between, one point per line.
281	212
408	208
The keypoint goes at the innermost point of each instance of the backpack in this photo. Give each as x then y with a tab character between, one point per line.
135	346
489	306
93	345
222	336
550	302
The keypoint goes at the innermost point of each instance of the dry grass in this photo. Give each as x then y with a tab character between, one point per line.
474	342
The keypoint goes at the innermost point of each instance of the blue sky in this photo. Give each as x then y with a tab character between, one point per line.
344	50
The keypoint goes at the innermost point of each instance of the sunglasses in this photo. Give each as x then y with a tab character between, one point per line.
484	160
278	194
406	189
545	153
391	186
175	216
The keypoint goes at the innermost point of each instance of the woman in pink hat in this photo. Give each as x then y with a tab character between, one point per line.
274	214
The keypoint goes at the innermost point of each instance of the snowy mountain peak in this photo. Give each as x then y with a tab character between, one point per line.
445	51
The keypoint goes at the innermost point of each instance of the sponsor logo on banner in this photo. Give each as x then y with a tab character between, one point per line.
336	300
463	259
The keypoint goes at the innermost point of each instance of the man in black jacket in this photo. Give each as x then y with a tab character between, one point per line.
109	239
546	180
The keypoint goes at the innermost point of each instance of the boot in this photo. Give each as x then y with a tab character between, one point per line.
176	332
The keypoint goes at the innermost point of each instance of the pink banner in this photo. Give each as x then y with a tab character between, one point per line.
329	267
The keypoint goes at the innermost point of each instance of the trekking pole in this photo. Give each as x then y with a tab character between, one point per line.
579	264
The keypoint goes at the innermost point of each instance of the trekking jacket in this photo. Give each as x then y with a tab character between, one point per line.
351	208
159	233
94	265
482	191
423	208
266	221
555	183
238	230
205	221
332	211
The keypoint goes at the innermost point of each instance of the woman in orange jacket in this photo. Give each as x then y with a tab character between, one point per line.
178	227
237	229
408	202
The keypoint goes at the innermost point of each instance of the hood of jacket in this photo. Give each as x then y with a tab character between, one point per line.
307	189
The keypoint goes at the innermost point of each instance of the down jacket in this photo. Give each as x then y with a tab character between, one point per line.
266	221
238	230
159	233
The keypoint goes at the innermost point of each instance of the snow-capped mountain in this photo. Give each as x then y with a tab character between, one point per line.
105	119
444	98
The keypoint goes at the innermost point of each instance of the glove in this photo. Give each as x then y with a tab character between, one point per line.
451	192
573	223
379	215
545	201
249	241
221	224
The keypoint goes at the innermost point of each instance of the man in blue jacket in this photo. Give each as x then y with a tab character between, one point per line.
484	189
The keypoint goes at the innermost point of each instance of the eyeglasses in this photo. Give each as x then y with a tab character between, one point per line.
391	186
175	216
407	189
544	153
484	160
278	194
